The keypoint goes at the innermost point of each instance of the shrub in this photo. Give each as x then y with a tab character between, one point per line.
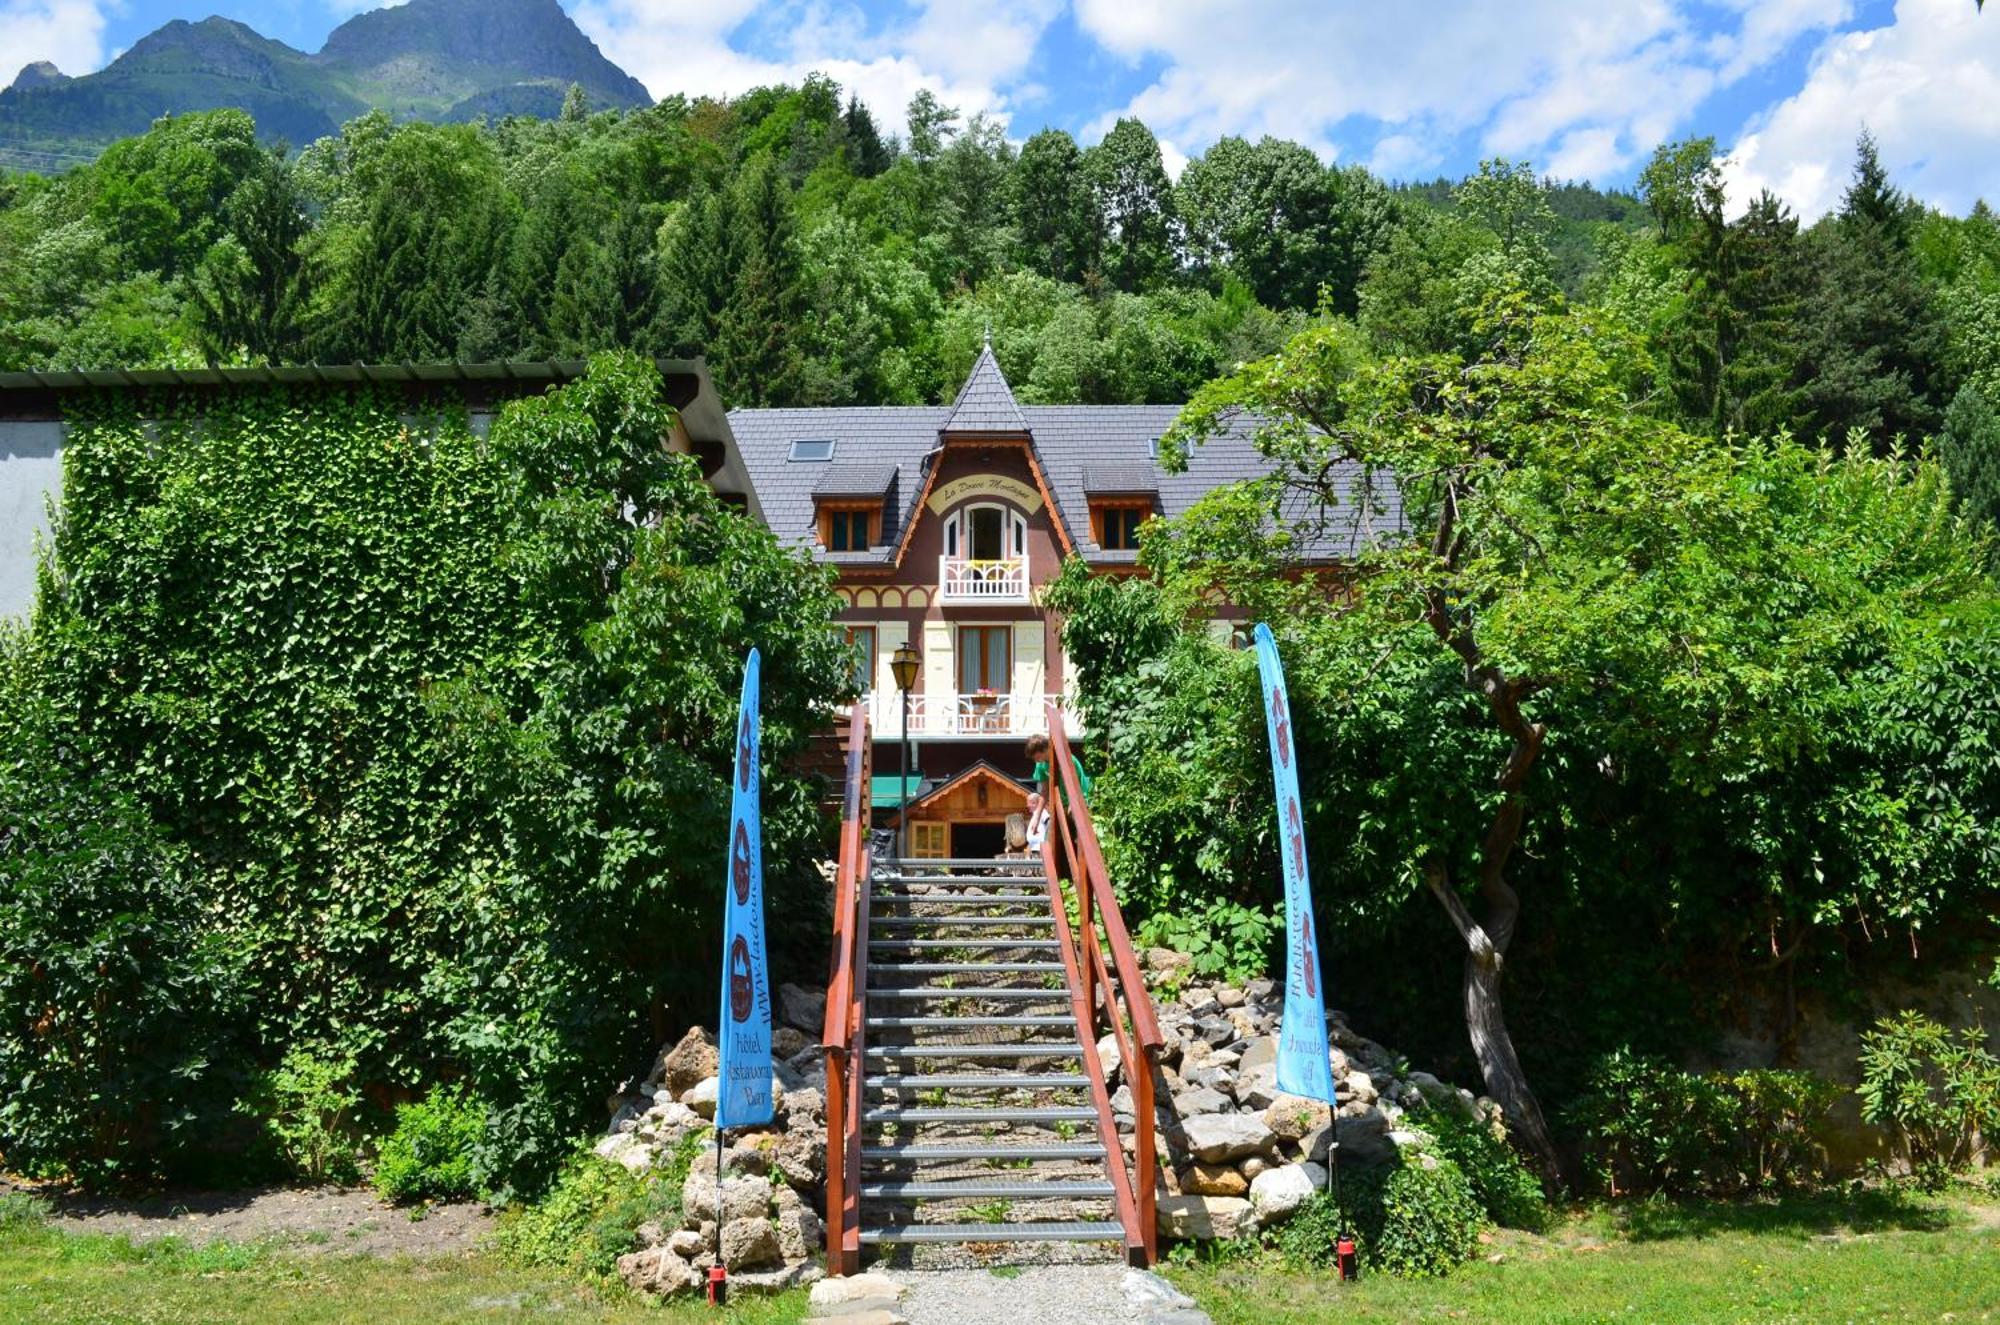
1511	1195
1937	1092
310	1104
118	1008
592	1212
1652	1127
429	1155
1414	1221
1227	940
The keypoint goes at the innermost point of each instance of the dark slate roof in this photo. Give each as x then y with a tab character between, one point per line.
985	403
1070	441
870	478
1125	480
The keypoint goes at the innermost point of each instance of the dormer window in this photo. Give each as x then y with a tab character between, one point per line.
1116	524
847	527
812	449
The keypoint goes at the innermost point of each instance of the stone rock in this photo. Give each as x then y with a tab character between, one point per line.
1223	1136
660	1271
803	1107
856	1288
1261	989
1217	1031
1230	998
1200	1100
1194	1052
1213	1180
1166	962
628	1150
1276	1193
1203	1218
1363	1140
1253	1165
1292	1117
1361	1087
801	1156
1146	1292
672	1121
687	1242
781	1280
1108	1055
701	1096
742	1198
1258	1089
800	1233
750	1152
787	1043
1122	1105
1260	1052
686	1063
803	1008
750	1243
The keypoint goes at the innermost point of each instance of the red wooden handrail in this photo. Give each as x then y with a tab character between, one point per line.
1073	844
845	990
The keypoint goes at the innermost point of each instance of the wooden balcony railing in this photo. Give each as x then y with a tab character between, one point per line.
1116	990
845	1030
965	580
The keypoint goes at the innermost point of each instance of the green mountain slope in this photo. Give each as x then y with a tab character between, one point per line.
428	59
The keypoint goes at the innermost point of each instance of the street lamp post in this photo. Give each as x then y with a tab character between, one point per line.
904	664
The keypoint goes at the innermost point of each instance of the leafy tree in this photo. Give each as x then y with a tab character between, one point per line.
1506	199
975	201
575	106
1136	200
1059	232
160	197
1584	573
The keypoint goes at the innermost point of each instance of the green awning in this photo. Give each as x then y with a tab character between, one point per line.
887	789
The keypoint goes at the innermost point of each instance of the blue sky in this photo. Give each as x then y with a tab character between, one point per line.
1583	88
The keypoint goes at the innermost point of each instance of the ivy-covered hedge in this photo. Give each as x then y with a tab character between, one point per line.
442	723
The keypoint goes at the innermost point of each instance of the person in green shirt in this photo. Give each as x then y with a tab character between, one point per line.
1038	750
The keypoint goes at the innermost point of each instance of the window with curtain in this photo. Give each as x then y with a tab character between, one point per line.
862	638
985	659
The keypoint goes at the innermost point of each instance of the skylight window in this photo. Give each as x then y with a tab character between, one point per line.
815	448
1153	449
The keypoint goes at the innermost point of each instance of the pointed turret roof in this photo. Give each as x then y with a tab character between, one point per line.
985	403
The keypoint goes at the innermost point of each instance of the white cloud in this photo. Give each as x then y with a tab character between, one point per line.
967	53
69	33
1927	86
1582	90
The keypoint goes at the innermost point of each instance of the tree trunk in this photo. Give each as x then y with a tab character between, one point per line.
1486	1021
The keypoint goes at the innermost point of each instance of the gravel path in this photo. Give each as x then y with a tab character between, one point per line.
1045	1295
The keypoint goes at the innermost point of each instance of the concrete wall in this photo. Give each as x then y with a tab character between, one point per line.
30	474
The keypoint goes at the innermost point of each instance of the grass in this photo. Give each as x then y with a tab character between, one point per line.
1871	1255
51	1276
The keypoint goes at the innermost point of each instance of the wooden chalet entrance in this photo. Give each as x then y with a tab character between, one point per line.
966	815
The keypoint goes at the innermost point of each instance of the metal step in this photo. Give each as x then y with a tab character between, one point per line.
1039	945
1029	1049
911	864
965	1023
916	1151
903	883
913	922
935	1081
896	1113
1067	1231
996	995
964	968
984	899
985	1191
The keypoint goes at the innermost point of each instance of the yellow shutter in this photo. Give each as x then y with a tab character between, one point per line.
1030	673
889	636
939	684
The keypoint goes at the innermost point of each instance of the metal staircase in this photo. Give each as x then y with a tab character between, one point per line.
980	1120
966	1102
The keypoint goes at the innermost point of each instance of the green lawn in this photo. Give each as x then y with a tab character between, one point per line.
46	1276
1872	1257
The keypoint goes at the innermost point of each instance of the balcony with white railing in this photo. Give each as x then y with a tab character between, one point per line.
985	715
963	581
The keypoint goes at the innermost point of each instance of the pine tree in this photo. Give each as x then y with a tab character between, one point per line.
576	106
1970	448
867	154
756	353
253	286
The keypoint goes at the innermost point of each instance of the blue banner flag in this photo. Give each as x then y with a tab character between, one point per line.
1305	1068
745	1021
